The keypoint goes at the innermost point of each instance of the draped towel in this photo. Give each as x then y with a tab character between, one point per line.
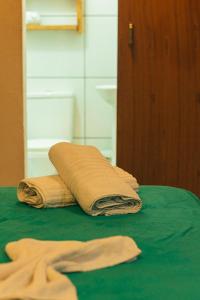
35	272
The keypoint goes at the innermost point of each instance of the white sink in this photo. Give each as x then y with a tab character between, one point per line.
108	93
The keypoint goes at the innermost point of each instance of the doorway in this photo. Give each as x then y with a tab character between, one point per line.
79	66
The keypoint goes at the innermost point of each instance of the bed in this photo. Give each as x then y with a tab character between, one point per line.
167	230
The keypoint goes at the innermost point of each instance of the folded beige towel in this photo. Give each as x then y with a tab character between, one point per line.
35	272
94	183
50	191
45	191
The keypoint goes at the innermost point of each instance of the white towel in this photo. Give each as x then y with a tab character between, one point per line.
35	272
33	17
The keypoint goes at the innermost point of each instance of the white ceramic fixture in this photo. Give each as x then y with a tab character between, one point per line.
108	92
49	121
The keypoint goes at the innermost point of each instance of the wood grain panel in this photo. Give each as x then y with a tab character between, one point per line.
158	92
11	93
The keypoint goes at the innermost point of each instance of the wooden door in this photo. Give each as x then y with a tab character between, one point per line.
11	94
159	92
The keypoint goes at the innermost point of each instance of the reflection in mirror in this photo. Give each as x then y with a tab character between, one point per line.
71	77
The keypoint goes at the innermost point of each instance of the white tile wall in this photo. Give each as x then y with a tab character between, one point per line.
55	54
46	6
100	143
101	47
72	61
101	7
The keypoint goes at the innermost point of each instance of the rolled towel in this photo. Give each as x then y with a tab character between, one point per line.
51	191
33	17
36	267
96	186
45	191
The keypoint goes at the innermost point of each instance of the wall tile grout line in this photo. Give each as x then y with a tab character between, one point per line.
71	77
99	16
93	137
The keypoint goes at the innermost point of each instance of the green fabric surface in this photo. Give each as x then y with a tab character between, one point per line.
167	230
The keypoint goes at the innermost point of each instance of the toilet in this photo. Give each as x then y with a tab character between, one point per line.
49	121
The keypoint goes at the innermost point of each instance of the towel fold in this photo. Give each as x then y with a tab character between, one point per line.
51	191
35	272
93	182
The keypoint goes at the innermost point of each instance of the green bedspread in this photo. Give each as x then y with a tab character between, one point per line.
167	230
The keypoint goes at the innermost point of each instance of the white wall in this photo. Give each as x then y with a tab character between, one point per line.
69	60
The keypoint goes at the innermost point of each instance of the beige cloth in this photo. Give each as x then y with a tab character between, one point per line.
93	182
35	270
45	191
50	191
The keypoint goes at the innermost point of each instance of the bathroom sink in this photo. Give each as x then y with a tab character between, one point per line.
108	93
